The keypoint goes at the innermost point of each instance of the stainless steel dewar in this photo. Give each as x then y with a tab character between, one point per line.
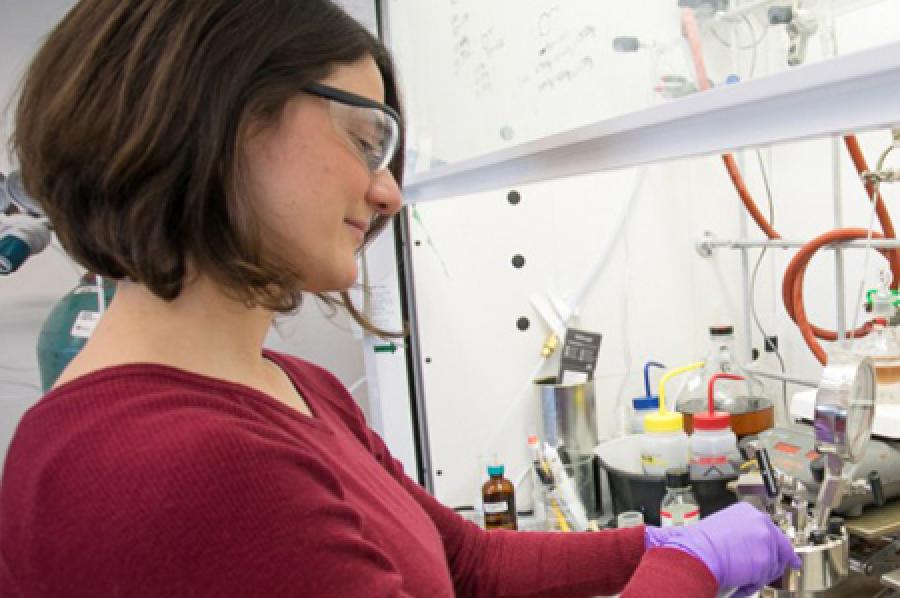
569	422
569	416
824	566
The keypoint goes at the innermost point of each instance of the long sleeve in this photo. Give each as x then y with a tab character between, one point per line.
549	565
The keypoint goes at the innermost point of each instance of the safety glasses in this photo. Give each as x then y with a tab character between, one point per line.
370	127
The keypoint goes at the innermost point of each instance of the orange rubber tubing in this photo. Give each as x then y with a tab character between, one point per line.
792	287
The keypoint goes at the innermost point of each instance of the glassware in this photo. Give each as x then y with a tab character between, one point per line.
884	350
679	506
720	358
499	500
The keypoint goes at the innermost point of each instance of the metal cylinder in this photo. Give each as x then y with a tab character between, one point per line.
569	416
824	566
569	424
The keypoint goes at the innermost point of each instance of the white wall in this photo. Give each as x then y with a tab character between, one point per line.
26	296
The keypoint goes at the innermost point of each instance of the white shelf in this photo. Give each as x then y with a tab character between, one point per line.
854	92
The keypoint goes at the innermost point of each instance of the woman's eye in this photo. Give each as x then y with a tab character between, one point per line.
364	144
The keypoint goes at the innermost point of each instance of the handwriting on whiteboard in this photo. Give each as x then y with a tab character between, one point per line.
565	53
554	51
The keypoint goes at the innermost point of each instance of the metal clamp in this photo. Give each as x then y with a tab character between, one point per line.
883	560
891	580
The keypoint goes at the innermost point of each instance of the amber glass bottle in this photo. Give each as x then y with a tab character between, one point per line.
499	498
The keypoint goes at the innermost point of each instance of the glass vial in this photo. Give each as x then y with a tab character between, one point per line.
499	500
680	506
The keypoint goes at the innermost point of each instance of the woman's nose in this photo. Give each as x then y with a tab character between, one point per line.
384	193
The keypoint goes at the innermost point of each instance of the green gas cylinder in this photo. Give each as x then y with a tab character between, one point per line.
67	328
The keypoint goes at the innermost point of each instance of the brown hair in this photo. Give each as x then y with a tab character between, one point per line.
131	120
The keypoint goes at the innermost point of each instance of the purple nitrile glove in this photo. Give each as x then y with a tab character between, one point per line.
740	546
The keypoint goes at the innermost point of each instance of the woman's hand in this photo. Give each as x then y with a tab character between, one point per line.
740	546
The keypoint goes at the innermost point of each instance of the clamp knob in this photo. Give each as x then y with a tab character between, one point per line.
876	488
835	525
767	472
817	468
780	15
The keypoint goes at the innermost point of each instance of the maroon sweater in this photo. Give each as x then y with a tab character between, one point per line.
146	480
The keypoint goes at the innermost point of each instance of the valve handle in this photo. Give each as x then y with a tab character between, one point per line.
767	472
835	525
780	15
817	468
876	487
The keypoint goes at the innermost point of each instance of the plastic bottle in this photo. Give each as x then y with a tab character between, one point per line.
664	443
713	446
679	506
499	500
720	357
645	405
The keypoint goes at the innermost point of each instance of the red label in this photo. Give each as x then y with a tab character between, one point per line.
709	460
688	514
784	447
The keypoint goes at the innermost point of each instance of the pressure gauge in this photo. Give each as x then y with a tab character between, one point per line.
845	406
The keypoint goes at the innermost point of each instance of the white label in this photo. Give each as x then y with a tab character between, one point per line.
653	460
492	508
85	323
678	515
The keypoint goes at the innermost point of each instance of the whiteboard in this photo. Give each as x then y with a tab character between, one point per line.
481	76
508	65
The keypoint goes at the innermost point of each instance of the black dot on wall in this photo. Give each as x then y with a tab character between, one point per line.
518	261
427	360
439	472
523	323
418	243
513	197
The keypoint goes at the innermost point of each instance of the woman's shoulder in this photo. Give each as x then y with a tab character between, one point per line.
134	391
155	411
130	423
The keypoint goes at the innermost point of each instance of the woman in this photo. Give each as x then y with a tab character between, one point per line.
221	158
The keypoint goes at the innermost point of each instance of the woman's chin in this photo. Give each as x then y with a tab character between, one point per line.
335	282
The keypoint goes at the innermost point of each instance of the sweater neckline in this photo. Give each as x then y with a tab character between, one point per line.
207	381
